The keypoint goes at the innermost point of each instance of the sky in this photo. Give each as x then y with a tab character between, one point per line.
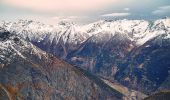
83	11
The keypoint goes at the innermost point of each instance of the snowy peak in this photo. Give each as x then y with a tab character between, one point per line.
134	29
138	31
162	24
160	27
36	31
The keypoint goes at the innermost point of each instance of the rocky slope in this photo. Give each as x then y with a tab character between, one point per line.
28	73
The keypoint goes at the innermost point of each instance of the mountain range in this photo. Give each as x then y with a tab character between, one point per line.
133	53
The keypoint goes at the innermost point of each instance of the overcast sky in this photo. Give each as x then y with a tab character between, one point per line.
83	11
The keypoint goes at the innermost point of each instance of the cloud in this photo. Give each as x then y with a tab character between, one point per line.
162	10
126	9
69	18
116	15
60	5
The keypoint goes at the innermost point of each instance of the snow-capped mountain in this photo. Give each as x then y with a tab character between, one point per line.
27	72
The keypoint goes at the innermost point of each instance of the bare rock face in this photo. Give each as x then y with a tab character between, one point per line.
28	73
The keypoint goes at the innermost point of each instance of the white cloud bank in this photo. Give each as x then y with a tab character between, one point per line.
116	15
162	10
69	18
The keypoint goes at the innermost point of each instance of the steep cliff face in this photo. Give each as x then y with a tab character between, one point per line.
27	72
